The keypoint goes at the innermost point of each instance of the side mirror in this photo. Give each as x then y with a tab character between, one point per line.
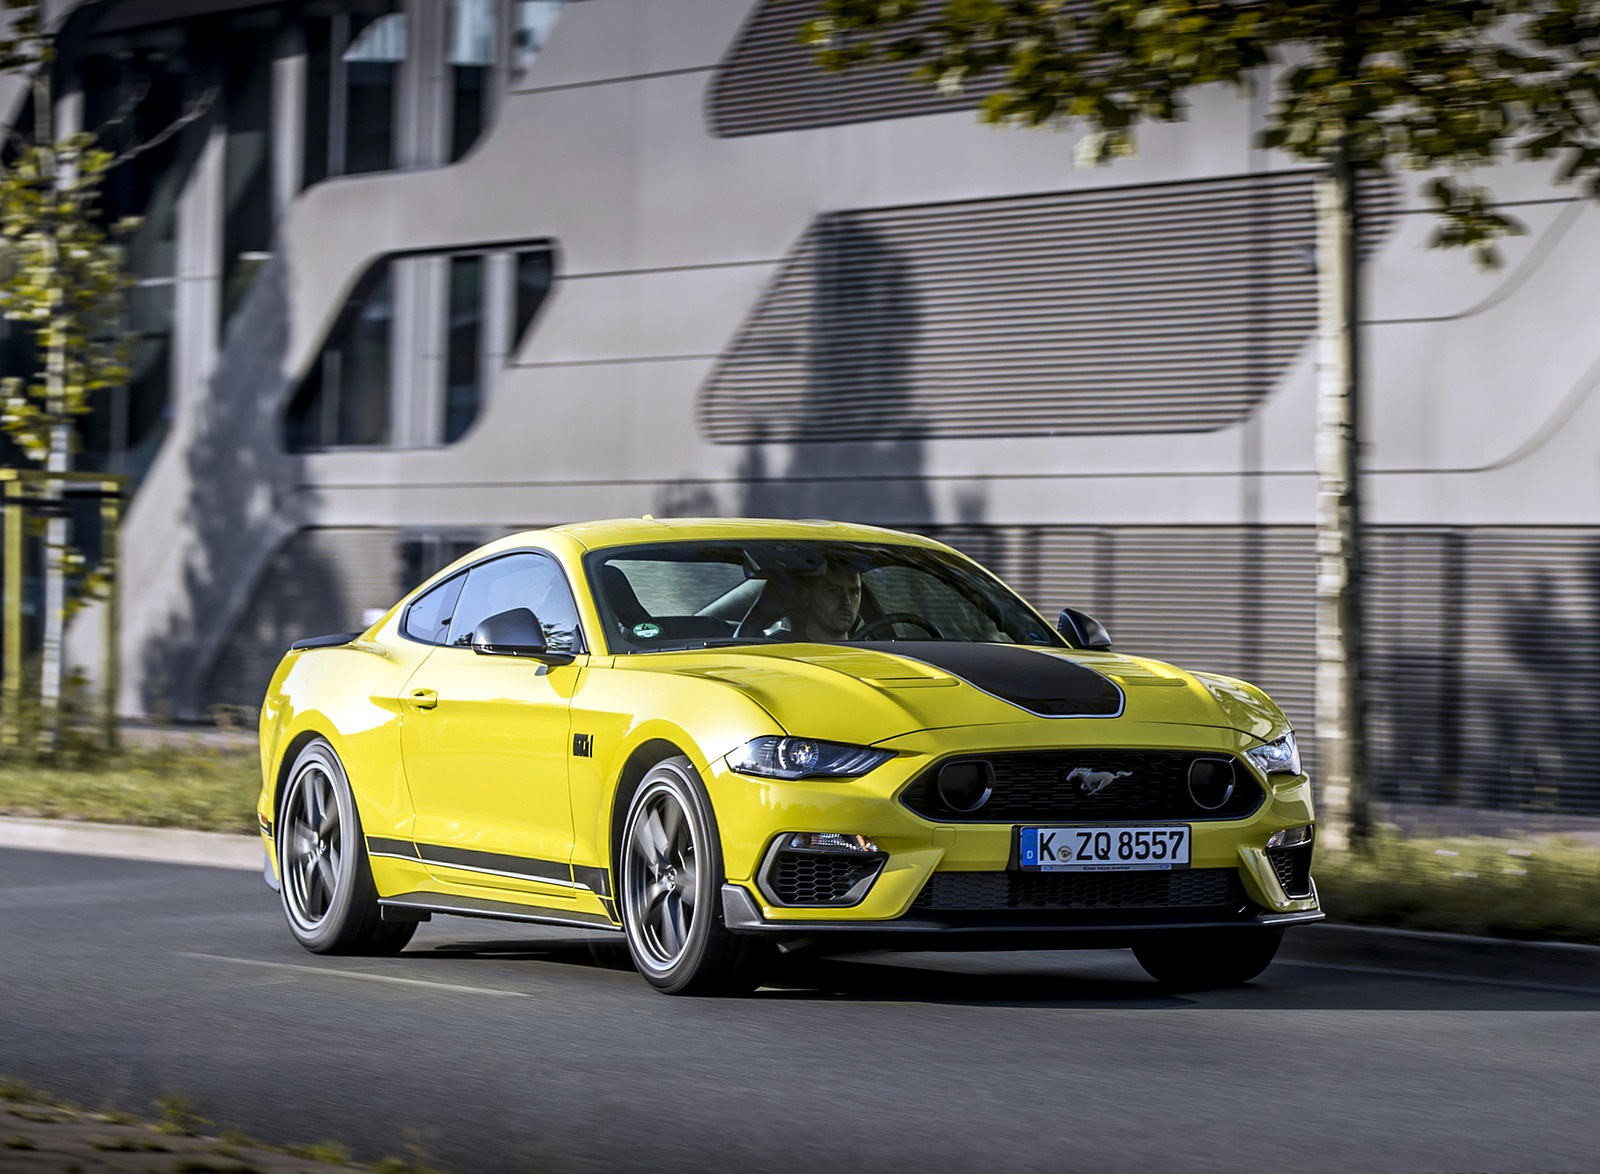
1082	629
515	633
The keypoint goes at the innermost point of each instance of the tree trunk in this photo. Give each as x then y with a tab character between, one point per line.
1343	814
55	575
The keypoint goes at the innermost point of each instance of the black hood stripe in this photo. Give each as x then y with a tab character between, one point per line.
1029	678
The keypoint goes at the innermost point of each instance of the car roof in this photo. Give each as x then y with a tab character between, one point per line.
648	529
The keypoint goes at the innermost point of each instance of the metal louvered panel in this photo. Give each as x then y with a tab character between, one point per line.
770	82
1483	643
1528	683
1166	308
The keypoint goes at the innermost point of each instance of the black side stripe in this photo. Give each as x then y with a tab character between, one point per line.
524	867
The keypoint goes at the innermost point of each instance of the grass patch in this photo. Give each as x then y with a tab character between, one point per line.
1531	889
209	788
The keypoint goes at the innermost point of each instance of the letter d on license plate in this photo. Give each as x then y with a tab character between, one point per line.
1133	848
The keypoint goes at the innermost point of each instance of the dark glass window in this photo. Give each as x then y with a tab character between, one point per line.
345	397
464	354
428	617
137	92
247	156
472	53
318	32
125	425
533	581
371	65
535	270
354	49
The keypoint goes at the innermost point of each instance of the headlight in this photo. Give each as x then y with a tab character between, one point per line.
1279	757
803	758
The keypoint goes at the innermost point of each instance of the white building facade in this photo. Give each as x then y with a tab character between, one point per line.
421	272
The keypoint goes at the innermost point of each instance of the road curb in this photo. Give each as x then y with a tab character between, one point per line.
1556	964
161	845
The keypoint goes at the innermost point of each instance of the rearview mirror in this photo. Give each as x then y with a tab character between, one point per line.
1083	630
515	633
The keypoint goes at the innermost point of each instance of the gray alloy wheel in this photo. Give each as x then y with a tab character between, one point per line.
671	886
326	880
1207	959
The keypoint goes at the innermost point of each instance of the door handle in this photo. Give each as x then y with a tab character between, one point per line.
423	698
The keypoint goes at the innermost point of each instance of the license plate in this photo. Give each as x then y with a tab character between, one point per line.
1138	848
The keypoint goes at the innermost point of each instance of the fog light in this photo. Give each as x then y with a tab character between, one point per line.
965	786
1290	837
831	842
1211	782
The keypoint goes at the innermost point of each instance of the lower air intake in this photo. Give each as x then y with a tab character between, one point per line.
815	878
1293	866
975	892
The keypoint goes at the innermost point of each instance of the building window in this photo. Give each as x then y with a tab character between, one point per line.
535	268
353	59
370	65
138	89
463	347
345	397
472	56
460	311
247	156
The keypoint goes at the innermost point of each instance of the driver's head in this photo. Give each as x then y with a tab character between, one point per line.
832	603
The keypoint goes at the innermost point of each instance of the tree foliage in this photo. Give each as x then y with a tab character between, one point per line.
62	275
1429	85
61	271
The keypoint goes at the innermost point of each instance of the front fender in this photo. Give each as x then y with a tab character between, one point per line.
628	717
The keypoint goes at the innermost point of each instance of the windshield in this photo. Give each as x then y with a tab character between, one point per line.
697	594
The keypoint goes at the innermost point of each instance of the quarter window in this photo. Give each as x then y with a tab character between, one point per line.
428	617
533	581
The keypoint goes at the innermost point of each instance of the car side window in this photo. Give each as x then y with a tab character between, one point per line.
533	581
428	617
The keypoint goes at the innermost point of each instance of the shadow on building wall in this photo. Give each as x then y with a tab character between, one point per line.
1542	719
1486	697
860	332
244	500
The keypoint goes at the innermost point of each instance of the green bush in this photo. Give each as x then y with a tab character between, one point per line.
211	788
1530	888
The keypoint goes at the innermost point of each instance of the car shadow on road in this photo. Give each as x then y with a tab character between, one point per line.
1086	980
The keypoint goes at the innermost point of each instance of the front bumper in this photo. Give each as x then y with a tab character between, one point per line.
1100	929
753	813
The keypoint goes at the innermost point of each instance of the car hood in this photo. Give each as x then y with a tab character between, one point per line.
869	692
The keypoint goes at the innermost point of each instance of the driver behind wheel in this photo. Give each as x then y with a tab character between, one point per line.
828	606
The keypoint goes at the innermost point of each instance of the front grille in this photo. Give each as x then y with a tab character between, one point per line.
978	892
814	878
1032	785
1293	866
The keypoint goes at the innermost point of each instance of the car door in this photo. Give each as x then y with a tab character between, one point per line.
485	739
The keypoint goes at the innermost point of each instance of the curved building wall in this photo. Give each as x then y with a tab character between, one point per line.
873	318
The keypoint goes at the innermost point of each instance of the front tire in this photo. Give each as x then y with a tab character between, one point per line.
1207	959
326	886
671	888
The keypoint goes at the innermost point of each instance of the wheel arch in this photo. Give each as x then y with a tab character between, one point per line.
638	764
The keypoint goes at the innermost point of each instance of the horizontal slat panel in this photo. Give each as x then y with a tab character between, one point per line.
1166	308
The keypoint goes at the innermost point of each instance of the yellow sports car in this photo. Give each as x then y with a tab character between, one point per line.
727	738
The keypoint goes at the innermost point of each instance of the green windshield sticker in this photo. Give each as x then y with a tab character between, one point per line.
646	631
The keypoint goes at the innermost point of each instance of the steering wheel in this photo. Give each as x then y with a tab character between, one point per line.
893	618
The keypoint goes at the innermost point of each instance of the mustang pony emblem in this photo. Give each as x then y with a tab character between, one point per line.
1092	782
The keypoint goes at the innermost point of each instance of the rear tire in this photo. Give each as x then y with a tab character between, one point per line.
671	871
1207	959
326	886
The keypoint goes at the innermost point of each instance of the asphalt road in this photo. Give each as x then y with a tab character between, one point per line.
499	1048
